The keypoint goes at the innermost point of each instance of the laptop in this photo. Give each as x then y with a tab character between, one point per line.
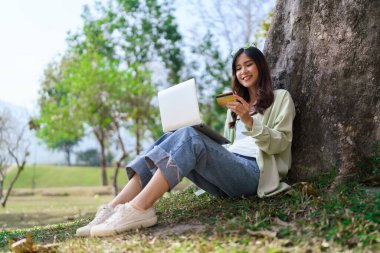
179	107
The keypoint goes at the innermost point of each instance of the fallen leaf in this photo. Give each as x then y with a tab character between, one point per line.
325	244
288	244
153	240
47	248
305	188
262	233
26	245
280	222
23	246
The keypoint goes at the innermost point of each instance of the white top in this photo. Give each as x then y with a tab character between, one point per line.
243	144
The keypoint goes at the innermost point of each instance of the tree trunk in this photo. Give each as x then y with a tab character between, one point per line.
326	53
103	163
115	187
1	187
68	155
123	156
100	136
115	175
138	136
4	198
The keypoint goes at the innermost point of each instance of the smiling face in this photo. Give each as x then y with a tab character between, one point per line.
246	71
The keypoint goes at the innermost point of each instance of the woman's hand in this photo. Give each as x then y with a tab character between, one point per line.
241	108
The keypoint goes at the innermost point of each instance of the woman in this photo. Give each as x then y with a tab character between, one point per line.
259	125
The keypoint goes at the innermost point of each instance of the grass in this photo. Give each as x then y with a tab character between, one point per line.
346	221
39	210
55	205
61	176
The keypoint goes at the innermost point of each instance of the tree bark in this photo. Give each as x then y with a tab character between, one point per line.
103	163
123	156
138	136
1	187
20	168
4	198
100	136
68	155
327	54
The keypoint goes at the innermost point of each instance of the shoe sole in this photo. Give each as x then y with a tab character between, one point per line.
137	224
83	235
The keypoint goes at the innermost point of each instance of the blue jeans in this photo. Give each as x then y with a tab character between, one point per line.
189	153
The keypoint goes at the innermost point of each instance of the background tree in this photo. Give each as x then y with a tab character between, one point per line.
53	127
93	84
13	149
229	25
326	54
95	94
143	32
234	21
136	36
88	157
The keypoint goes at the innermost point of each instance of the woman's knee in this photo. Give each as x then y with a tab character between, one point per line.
186	131
164	136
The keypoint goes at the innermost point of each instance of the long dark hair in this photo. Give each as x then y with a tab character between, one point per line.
264	91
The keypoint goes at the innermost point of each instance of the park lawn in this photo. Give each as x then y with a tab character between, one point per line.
62	176
40	210
44	206
343	221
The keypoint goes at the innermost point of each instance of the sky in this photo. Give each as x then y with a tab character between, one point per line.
33	33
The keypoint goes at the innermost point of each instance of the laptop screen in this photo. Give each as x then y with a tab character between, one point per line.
179	106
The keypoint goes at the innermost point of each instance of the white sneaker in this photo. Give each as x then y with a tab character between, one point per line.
104	212
126	217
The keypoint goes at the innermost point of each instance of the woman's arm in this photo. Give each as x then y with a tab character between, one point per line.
277	138
228	132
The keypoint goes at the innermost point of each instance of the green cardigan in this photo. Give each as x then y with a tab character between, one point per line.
273	134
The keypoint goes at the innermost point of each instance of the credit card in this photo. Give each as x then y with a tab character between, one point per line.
225	98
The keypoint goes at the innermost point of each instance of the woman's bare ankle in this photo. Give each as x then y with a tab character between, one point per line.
138	206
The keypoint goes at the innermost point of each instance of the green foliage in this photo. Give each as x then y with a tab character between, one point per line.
96	91
212	80
133	32
52	125
89	87
89	157
261	34
104	82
